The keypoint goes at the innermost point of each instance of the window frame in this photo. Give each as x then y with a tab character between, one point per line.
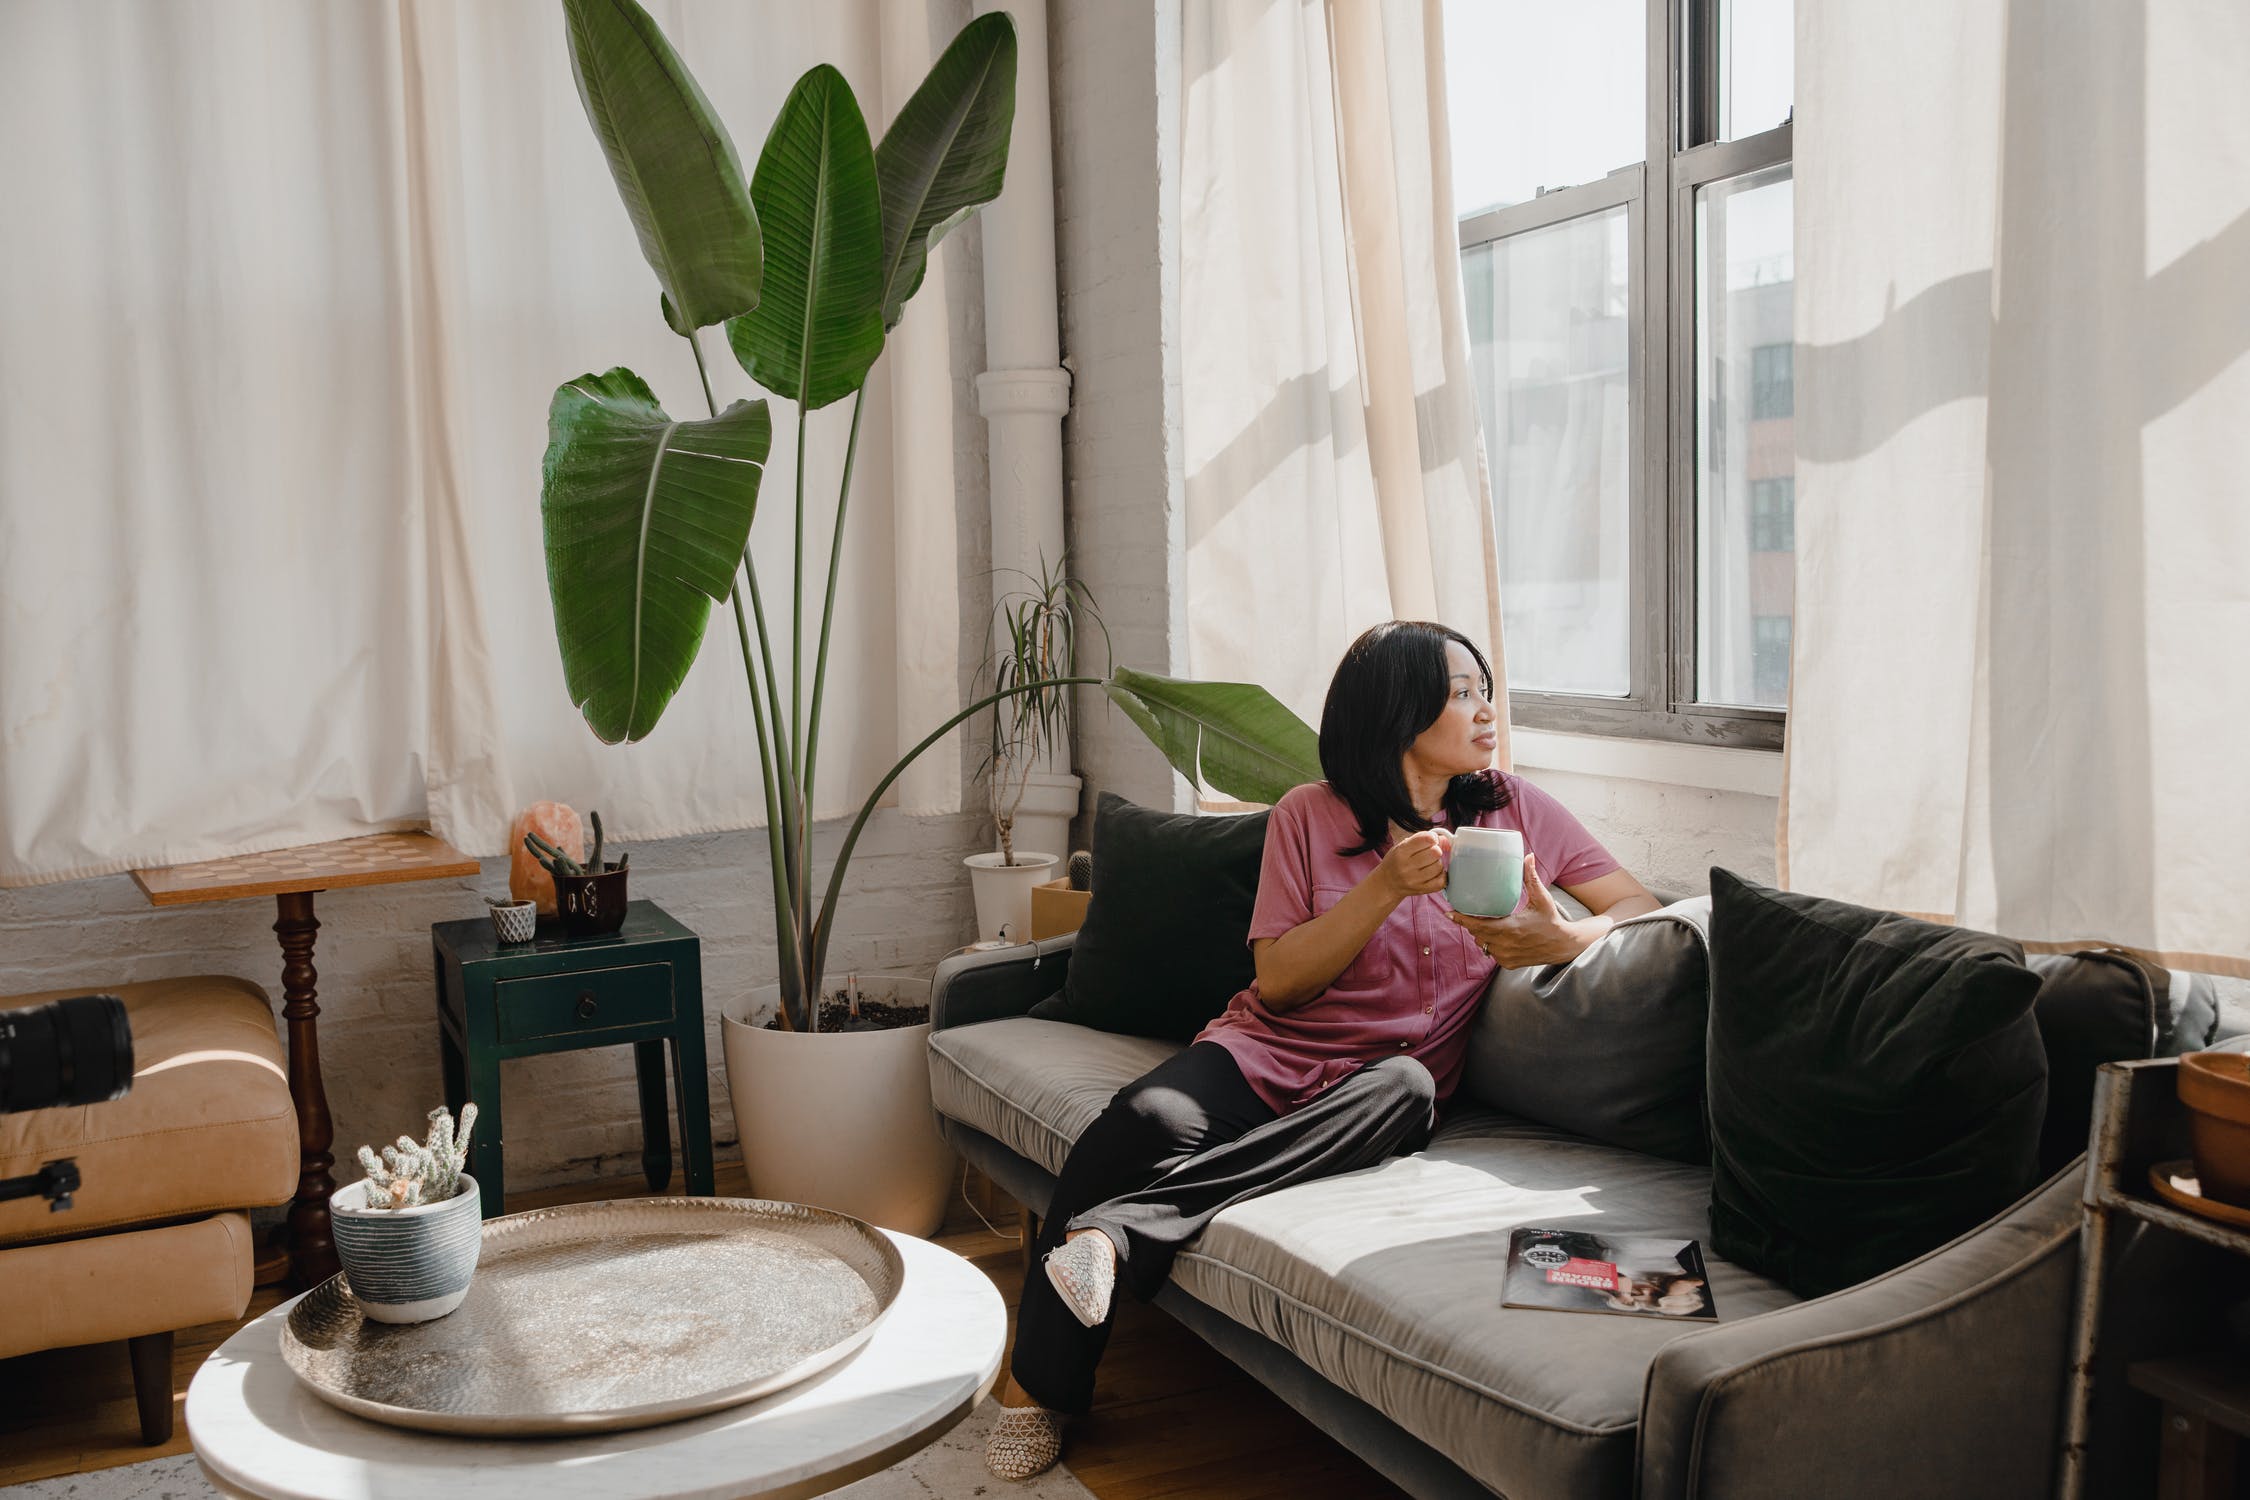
1681	155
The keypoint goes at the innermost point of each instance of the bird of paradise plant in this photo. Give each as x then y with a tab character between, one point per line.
807	266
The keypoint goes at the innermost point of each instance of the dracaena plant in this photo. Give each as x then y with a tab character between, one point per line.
1038	645
806	266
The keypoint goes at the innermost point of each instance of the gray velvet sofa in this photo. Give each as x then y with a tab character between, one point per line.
1371	1302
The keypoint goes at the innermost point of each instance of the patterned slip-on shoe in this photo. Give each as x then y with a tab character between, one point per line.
1025	1442
1083	1270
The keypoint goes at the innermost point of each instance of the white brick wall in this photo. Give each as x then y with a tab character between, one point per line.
1669	836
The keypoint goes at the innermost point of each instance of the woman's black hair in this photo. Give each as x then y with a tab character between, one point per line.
1391	685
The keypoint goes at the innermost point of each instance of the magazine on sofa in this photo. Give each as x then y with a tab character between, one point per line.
1570	1270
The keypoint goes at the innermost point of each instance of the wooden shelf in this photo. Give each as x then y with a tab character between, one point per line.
2215	1387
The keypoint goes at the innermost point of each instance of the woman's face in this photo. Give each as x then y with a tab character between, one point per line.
1467	730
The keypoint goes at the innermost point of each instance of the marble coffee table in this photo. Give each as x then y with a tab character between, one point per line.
258	1432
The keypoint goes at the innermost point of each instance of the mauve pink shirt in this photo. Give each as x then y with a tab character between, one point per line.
1414	988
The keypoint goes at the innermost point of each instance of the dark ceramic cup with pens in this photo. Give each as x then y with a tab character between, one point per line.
590	897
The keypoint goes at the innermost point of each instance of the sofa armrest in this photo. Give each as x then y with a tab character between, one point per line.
1941	1378
998	982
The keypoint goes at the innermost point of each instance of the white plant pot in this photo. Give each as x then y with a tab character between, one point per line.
840	1120
1003	892
1043	817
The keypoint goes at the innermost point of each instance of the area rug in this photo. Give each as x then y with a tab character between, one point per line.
949	1469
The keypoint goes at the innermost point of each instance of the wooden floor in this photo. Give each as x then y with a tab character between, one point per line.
1173	1420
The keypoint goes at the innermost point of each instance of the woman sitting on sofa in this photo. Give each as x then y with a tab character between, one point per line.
1356	1027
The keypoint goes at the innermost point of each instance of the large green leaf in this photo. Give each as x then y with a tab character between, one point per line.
1234	737
820	324
645	519
674	164
945	155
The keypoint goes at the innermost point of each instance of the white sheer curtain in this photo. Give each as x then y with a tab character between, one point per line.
289	290
2021	688
1335	475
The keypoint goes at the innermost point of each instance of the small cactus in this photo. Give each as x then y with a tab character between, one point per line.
409	1175
1081	871
558	863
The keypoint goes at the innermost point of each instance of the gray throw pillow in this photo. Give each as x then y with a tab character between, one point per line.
1609	1045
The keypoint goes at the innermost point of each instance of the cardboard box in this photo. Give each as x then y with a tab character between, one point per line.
1056	909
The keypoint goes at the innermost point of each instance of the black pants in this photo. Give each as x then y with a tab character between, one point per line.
1178	1144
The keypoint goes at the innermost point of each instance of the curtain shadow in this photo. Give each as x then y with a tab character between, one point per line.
1305	412
1934	349
2079	346
2195	318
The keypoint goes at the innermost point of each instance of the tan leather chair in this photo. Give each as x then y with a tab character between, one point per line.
158	1238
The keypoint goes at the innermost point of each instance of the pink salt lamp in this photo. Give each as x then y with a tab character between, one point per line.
528	880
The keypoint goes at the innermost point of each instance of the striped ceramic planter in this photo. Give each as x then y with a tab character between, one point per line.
408	1265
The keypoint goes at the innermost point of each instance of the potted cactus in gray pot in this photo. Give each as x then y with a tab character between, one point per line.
409	1233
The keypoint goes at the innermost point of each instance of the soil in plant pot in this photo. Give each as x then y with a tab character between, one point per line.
874	1015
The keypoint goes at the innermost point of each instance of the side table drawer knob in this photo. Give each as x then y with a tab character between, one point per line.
586	1006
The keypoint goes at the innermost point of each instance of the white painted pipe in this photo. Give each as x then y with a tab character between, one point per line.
1024	391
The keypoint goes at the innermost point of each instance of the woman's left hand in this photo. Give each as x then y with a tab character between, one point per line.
1537	934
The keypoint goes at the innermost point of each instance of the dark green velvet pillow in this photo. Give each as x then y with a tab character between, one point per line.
1165	941
1876	1084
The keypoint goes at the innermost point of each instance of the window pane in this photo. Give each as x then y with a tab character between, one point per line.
1757	66
1541	95
1745	451
1549	342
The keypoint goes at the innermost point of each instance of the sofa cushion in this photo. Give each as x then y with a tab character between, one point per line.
2100	1006
1876	1084
1165	941
207	1125
1610	1045
1034	1085
1387	1282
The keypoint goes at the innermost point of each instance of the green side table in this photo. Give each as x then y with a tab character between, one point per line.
641	985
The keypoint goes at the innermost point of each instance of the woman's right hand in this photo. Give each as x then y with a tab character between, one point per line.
1416	864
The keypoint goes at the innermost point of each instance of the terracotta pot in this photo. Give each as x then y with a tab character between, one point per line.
2215	1088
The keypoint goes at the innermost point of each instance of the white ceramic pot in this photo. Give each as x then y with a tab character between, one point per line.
1003	892
841	1120
408	1265
1043	817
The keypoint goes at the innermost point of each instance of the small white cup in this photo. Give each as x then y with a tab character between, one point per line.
515	921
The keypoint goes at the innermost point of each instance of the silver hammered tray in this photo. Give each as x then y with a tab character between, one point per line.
601	1316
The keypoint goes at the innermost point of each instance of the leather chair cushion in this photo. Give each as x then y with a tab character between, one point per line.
207	1126
125	1285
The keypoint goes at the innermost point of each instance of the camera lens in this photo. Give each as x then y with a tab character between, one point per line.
76	1051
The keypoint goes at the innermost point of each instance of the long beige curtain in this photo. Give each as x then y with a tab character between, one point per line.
2021	692
1334	470
289	288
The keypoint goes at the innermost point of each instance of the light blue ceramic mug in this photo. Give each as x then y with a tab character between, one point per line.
1484	878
